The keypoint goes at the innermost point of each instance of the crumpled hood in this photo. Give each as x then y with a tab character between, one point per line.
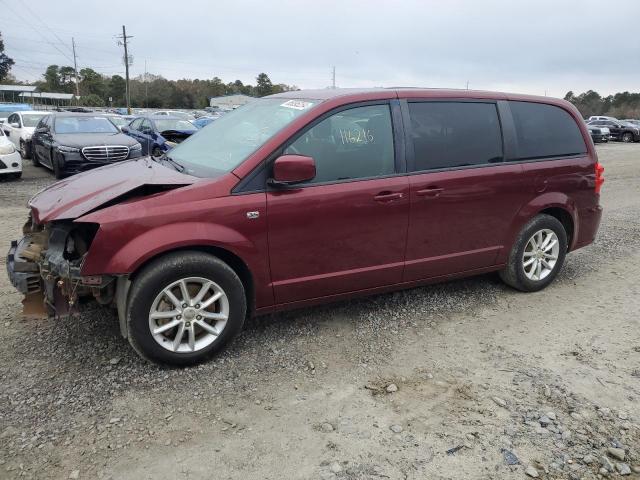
82	193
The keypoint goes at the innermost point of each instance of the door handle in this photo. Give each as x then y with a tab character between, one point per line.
388	196
430	192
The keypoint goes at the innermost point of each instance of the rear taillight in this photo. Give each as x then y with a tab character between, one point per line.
599	177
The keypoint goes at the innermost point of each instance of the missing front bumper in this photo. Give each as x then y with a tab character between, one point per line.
45	266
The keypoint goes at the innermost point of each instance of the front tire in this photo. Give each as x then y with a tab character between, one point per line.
184	307
34	157
57	171
25	151
537	254
627	137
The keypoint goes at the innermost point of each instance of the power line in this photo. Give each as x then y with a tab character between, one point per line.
35	29
25	5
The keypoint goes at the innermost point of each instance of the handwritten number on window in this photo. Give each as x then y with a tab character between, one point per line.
356	136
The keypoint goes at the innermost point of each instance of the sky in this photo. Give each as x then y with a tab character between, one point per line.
538	47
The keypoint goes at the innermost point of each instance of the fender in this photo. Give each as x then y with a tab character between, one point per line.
533	208
128	258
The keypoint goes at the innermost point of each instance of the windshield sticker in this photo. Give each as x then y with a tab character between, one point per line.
297	104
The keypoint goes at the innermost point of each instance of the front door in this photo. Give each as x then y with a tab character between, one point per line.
346	229
463	198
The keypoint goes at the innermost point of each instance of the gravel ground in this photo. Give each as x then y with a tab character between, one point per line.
468	379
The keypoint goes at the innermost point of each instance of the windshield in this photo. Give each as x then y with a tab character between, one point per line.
224	144
31	120
173	124
119	121
84	124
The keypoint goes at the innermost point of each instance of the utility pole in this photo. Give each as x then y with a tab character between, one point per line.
75	68
146	85
333	77
467	84
124	38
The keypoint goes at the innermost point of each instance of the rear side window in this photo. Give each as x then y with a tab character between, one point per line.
545	131
454	134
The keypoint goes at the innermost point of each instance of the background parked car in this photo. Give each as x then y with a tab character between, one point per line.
175	114
599	134
69	143
159	134
203	121
7	109
10	161
19	128
120	120
633	121
621	131
601	117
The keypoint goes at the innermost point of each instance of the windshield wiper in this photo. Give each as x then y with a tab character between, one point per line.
179	167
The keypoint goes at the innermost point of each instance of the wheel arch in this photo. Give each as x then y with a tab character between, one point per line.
565	218
237	264
556	204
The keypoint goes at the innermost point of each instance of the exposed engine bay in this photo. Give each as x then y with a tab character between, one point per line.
45	266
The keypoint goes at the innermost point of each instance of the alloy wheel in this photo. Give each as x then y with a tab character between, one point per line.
188	315
540	254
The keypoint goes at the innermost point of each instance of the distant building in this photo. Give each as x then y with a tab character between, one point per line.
230	101
28	94
11	93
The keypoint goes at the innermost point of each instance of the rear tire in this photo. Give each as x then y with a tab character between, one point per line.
166	293
537	254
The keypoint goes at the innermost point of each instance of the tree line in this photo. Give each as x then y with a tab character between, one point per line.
149	90
621	105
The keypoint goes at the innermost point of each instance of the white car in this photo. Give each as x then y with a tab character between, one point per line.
10	161
176	114
20	126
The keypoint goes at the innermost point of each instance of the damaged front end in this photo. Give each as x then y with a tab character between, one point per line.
45	266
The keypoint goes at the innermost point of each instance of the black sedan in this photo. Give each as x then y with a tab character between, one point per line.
70	143
621	131
598	134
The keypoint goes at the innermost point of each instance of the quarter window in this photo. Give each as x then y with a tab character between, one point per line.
545	131
454	134
351	144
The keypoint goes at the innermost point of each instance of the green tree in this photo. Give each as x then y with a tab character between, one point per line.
51	79
263	85
92	100
116	89
91	82
5	62
67	77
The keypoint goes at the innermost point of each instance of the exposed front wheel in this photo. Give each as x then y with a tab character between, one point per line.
185	307
537	255
627	137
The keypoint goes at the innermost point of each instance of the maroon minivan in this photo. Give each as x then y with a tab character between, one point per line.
308	197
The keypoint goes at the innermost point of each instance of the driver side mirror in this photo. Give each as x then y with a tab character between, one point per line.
124	129
291	169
